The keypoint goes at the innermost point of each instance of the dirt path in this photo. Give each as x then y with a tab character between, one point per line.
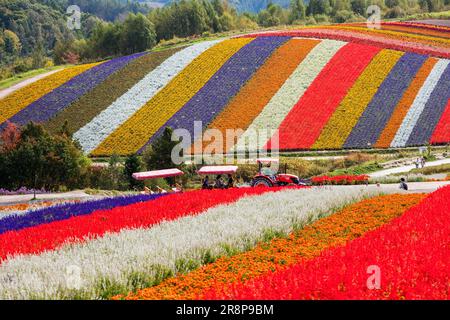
24	83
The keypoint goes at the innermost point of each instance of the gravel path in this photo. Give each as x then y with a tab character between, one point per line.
47	196
408	168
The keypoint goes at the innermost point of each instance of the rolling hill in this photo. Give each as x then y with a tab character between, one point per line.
329	87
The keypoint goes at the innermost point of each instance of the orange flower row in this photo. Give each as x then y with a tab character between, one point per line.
28	206
335	230
388	134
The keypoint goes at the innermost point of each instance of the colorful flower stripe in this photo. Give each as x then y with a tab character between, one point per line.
428	40
407	28
302	126
143	124
442	132
347	224
411	118
411	253
66	211
371	123
434	108
53	235
422	31
88	106
223	86
110	119
137	257
293	89
403	106
21	98
46	107
348	112
357	37
419	25
256	94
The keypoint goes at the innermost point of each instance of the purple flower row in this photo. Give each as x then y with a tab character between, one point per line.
49	105
432	112
377	114
68	210
223	86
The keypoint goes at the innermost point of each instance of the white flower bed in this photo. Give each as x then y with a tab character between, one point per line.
292	90
411	118
93	133
117	257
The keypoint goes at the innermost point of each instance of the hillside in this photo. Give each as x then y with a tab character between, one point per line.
328	87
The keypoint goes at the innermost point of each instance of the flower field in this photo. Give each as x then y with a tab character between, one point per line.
322	87
410	252
123	244
279	253
242	243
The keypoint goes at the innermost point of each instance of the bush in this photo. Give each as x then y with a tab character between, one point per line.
39	160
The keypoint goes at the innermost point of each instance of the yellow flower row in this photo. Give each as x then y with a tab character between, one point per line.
137	130
351	108
23	97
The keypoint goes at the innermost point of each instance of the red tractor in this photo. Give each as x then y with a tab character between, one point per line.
267	176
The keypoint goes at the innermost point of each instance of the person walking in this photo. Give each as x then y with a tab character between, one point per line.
403	184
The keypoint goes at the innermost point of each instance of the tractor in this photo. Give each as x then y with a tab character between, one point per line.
267	176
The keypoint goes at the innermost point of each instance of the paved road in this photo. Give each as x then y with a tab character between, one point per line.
47	196
7	91
402	169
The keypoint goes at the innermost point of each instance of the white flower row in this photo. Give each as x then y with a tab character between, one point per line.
105	123
118	258
292	90
416	109
6	214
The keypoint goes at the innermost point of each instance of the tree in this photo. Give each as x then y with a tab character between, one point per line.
12	43
319	7
358	7
297	11
39	56
138	34
10	137
40	160
132	165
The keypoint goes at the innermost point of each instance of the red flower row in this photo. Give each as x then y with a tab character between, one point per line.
442	132
345	179
50	236
408	258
